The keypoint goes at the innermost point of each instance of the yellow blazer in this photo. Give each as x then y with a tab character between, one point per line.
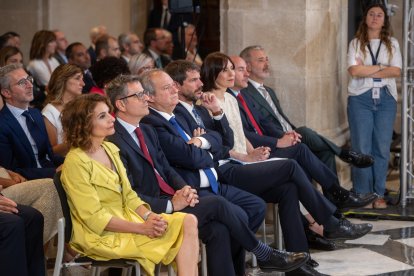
95	195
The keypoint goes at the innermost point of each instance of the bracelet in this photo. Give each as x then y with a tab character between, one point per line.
146	215
217	113
381	67
312	223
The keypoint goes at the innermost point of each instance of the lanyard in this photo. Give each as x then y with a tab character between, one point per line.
375	59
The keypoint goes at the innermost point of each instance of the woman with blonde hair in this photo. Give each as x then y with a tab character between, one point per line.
65	84
109	220
374	61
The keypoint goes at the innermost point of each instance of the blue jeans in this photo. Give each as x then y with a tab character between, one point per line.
371	123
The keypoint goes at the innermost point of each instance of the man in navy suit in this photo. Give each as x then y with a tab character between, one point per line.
78	55
263	179
24	144
221	224
264	99
21	243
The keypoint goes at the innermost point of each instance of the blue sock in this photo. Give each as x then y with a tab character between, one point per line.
262	251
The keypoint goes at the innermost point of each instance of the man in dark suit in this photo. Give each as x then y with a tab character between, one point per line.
78	55
61	45
21	244
264	99
94	35
24	144
288	144
158	184
155	45
191	155
271	175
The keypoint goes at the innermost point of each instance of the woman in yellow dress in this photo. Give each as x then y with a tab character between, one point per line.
109	220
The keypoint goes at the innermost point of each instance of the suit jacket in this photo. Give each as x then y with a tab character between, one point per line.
59	58
186	159
255	100
139	170
257	140
212	127
165	60
92	54
17	152
89	82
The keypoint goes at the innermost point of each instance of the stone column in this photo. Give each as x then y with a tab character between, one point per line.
306	42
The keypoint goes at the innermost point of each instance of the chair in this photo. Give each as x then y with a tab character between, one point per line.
64	235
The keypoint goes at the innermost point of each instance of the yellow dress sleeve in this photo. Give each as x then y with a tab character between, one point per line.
82	196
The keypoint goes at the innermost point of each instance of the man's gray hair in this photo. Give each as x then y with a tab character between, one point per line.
4	71
245	53
118	88
148	82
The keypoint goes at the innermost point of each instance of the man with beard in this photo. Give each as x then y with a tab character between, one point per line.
264	99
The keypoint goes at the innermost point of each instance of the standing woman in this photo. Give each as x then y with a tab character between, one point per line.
65	84
374	61
109	220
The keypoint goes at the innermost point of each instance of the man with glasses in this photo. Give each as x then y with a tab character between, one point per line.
156	44
24	144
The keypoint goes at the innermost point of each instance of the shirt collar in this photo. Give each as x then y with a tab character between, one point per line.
255	83
165	115
235	92
130	128
17	112
188	106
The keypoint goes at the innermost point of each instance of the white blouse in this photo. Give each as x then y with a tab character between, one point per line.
53	115
358	86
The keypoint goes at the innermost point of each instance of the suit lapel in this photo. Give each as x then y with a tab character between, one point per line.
255	94
124	135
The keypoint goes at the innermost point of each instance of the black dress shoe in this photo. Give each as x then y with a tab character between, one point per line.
346	230
353	200
312	262
316	241
283	261
305	270
359	160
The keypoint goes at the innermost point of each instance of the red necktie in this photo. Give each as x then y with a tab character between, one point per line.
163	185
249	114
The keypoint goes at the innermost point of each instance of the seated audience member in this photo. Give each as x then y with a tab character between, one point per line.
65	84
21	241
140	63
10	39
61	45
94	34
190	46
158	184
264	99
155	45
24	145
105	70
40	194
9	55
78	55
169	49
104	207
107	46
272	176
129	44
42	63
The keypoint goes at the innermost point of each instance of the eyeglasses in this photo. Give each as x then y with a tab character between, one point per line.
140	95
24	82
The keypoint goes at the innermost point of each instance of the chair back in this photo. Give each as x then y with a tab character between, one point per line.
65	206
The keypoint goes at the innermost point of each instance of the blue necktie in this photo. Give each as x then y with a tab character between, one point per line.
198	118
37	136
209	173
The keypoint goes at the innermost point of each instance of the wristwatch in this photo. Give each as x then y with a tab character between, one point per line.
381	67
217	113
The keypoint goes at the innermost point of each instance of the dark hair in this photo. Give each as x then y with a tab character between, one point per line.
39	43
150	35
213	64
118	88
69	49
101	44
178	69
77	117
107	69
7	52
